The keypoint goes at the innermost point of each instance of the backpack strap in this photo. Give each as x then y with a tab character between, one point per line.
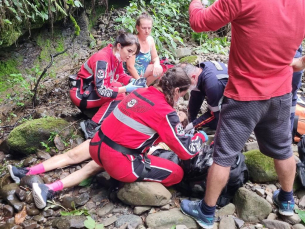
295	127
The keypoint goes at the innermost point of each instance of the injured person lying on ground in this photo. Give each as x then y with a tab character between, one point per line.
145	117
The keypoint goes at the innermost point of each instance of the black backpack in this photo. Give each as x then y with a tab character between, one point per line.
301	163
196	170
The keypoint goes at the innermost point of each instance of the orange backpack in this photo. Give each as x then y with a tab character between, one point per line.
299	123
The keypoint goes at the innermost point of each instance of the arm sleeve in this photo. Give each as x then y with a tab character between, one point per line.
172	134
204	119
100	69
215	16
123	77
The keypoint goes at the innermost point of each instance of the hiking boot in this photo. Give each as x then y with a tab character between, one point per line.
285	207
192	208
41	194
17	173
89	128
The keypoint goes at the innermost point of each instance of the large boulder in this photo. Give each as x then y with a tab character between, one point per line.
27	138
261	167
144	194
250	207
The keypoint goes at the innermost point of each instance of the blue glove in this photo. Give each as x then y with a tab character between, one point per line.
140	82
130	87
204	134
132	80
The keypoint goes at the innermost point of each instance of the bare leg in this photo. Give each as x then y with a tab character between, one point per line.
78	176
74	156
216	180
285	170
149	74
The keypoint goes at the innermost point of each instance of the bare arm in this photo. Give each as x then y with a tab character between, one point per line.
131	67
157	70
298	64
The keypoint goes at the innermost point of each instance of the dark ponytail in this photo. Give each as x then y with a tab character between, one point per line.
173	78
127	39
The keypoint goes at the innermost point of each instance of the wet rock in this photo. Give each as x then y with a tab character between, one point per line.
132	220
70	201
166	219
67	222
29	224
21	194
261	168
144	194
104	179
8	211
105	210
29	199
43	155
8	193
275	224
30	160
27	181
47	179
27	137
58	143
102	195
31	210
5	180
250	207
227	223
39	218
48	213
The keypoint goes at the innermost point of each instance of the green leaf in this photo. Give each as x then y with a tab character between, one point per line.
89	223
301	214
63	213
99	226
78	4
85	183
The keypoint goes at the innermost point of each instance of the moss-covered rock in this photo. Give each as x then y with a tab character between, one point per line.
261	168
189	59
27	138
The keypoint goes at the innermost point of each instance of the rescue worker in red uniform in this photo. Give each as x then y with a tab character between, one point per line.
144	118
99	82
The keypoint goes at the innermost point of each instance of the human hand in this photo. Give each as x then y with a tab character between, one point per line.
157	70
298	64
189	127
130	87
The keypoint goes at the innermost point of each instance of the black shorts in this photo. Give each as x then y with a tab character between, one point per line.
269	119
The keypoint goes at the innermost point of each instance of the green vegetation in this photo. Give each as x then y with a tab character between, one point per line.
16	16
91	224
6	68
206	45
170	19
170	24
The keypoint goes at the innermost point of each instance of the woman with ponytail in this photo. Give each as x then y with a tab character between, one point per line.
99	82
